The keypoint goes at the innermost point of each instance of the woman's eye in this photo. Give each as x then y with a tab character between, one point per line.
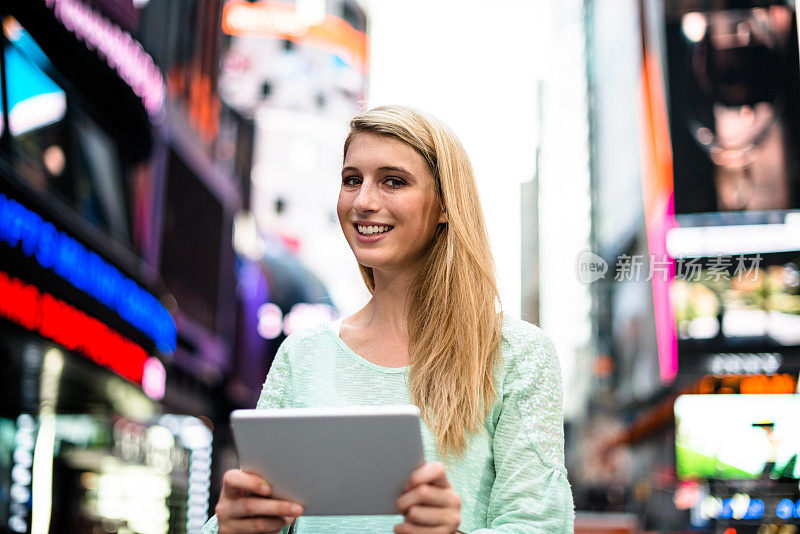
350	180
394	182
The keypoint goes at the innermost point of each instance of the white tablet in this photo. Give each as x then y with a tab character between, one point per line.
335	461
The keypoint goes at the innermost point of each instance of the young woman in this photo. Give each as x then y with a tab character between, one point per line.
488	386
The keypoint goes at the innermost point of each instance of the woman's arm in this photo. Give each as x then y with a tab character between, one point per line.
277	387
530	492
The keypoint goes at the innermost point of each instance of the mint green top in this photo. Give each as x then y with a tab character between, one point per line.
511	479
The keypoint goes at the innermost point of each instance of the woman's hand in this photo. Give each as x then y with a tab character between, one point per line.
245	506
429	503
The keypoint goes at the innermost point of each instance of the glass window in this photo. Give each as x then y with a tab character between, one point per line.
168	30
192	236
354	16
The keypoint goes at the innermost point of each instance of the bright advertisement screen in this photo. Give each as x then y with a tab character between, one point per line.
737	437
733	303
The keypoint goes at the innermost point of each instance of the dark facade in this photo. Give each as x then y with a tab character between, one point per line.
116	265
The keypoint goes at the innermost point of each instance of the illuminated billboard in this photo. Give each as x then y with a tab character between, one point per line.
745	305
737	437
283	20
721	113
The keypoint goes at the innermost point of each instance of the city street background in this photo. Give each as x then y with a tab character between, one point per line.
169	171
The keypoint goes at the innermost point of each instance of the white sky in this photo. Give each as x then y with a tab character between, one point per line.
474	65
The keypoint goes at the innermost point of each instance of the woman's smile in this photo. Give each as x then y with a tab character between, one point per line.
369	239
370	232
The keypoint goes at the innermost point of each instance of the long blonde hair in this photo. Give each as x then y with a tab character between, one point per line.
454	324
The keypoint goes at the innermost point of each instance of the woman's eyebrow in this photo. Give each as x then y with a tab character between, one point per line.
388	168
392	168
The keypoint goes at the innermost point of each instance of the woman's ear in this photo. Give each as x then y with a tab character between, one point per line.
443	216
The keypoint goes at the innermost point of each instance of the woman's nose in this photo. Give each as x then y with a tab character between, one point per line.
366	198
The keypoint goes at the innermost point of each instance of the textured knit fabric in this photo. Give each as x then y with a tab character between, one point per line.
511	479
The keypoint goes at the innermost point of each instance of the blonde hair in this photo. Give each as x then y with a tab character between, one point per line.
454	324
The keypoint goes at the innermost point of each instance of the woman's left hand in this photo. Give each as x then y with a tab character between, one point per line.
429	503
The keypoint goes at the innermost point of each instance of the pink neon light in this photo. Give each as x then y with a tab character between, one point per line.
121	51
154	378
659	205
661	222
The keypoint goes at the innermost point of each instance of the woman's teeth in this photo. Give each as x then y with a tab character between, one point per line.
372	230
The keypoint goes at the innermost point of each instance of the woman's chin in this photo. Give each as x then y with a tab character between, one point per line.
373	261
385	265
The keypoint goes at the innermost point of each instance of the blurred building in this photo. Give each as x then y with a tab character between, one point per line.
563	203
298	72
694	217
292	74
117	270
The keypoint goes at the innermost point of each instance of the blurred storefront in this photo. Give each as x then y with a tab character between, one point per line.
698	317
277	295
296	72
292	74
117	272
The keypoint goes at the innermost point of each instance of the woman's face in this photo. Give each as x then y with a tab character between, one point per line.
388	208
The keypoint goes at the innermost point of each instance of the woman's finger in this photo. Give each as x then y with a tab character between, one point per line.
426	494
429	473
236	482
253	525
407	528
258	506
429	516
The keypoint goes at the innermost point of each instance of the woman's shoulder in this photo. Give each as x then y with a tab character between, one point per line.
522	336
312	337
525	345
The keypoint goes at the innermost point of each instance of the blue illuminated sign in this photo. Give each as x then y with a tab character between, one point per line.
785	509
755	510
727	509
86	271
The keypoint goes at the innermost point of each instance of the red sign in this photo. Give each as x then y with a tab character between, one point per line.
54	319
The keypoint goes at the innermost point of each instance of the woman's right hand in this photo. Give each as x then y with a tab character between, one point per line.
245	506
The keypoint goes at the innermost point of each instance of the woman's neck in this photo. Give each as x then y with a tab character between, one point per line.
387	310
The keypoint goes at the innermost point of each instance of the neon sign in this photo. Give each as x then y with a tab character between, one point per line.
20	493
86	271
659	208
56	320
281	20
271	321
121	51
745	362
775	384
740	506
785	509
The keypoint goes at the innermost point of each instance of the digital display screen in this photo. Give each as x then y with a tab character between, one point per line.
737	437
732	78
739	302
